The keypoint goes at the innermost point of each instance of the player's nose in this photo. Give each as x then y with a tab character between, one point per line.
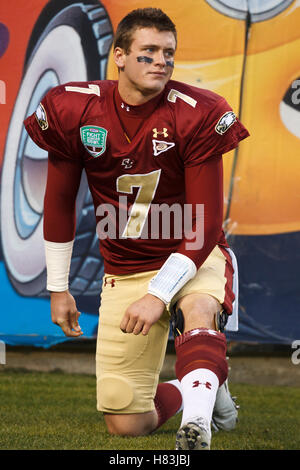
160	59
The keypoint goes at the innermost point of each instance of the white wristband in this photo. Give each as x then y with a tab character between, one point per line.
58	261
172	276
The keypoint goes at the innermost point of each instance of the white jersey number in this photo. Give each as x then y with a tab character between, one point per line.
91	90
174	94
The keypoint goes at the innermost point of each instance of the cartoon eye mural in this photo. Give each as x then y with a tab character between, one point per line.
72	45
258	74
290	108
270	109
258	9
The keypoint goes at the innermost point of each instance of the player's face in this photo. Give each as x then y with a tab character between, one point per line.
149	64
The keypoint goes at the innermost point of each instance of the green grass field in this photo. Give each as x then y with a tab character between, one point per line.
54	410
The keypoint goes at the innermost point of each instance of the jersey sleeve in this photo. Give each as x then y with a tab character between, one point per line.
63	180
216	133
204	188
50	126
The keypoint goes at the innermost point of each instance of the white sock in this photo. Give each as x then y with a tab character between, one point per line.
199	388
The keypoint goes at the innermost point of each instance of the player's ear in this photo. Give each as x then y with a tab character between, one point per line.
119	57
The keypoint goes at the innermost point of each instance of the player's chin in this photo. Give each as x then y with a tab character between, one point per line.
156	84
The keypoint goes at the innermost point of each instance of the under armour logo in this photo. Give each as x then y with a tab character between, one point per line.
112	282
197	383
125	107
156	133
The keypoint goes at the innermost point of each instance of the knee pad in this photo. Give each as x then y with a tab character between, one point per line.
177	321
221	319
201	348
114	393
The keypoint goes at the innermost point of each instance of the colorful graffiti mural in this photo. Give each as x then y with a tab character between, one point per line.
247	52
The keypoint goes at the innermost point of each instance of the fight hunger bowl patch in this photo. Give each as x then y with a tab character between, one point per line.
41	117
225	122
94	139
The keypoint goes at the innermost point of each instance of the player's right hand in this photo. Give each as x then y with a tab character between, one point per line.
64	313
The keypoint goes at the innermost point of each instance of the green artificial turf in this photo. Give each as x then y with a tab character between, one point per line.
54	410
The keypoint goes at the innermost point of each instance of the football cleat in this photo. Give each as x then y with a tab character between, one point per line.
225	414
194	435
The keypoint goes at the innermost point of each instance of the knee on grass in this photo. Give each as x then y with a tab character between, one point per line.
130	425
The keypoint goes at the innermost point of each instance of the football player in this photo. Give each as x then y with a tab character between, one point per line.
146	143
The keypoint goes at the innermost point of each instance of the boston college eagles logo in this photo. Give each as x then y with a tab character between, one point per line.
160	146
94	139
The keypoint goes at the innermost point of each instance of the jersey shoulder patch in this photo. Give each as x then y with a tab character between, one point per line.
63	106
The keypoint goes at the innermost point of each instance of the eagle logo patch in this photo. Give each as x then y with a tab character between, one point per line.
225	122
41	117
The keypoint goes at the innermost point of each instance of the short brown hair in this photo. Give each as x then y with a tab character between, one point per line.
141	18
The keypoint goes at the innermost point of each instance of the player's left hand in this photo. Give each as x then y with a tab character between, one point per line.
142	314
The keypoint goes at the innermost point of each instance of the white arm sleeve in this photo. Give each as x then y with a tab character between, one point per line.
172	276
58	261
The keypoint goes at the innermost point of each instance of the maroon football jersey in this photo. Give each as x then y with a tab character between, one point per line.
171	159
